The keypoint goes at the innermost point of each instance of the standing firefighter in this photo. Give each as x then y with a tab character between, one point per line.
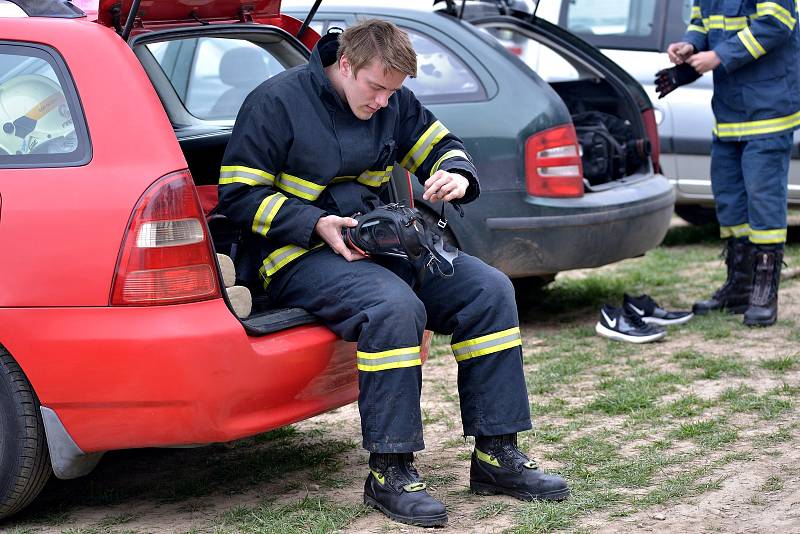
754	50
313	146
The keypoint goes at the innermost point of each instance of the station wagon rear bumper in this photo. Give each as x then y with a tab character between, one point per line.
597	229
187	374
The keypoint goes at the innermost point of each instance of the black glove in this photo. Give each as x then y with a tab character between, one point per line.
667	80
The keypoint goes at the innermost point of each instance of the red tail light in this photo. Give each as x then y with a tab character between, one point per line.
553	163
651	128
166	256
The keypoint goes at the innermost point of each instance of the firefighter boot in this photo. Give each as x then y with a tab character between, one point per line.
734	295
393	486
498	466
763	310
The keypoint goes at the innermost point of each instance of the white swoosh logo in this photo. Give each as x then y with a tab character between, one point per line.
637	310
612	324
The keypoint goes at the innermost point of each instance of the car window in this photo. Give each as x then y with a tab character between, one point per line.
547	63
441	75
213	75
38	110
627	24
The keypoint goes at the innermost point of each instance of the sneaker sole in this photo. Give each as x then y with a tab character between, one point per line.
613	334
480	488
425	521
667	322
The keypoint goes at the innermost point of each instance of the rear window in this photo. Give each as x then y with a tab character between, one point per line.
626	24
41	122
211	76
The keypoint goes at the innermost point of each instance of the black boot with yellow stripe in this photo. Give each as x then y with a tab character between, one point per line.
394	487
498	466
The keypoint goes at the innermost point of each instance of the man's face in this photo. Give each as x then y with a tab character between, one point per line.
369	89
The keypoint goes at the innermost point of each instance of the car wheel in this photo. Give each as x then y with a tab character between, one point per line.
696	214
24	459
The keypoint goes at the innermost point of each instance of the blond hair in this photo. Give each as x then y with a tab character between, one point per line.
378	39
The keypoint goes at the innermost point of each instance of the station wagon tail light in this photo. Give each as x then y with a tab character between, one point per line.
166	256
651	128
553	163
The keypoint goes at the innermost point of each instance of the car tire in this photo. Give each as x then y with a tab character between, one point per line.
696	214
24	458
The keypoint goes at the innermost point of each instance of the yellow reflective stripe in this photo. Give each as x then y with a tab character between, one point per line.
483	457
734	231
741	129
696	28
266	213
696	12
720	22
376	178
423	146
388	359
447	155
280	258
379	477
229	174
765	237
751	44
298	186
488	344
765	9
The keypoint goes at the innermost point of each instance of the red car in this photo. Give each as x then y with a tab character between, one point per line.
116	330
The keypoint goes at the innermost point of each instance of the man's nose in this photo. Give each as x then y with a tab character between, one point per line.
382	99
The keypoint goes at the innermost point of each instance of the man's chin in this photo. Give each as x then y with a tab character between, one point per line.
364	113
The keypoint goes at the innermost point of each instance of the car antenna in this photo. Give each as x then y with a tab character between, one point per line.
306	22
126	31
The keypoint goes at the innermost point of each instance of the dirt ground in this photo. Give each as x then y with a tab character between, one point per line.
743	503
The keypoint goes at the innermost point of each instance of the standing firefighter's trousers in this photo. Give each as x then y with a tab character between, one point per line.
375	305
750	181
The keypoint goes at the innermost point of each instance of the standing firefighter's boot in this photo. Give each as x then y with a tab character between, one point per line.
498	466
734	295
763	310
393	486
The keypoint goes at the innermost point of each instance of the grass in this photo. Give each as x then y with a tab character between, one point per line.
630	427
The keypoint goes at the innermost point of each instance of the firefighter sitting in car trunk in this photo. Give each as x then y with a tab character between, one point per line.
315	145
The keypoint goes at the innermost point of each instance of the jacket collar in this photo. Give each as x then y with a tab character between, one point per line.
323	55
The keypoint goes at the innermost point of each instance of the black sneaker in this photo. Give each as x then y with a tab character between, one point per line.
615	323
651	313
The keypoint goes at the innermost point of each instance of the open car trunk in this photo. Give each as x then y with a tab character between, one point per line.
606	104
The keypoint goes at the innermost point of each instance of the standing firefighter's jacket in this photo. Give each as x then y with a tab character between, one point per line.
757	86
297	153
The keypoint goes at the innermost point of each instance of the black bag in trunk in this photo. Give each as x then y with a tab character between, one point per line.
609	149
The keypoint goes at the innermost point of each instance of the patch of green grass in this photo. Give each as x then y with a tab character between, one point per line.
710	434
310	515
687	406
781	435
773	483
638	472
682	485
590	450
558	371
714	325
548	433
489	510
712	367
780	364
119	519
625	396
767	406
85	530
438	479
547	516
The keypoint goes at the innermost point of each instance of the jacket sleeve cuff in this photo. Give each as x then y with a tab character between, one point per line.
698	40
467	170
306	237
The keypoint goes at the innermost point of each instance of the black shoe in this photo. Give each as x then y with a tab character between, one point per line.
651	313
498	466
763	309
615	323
393	486
734	295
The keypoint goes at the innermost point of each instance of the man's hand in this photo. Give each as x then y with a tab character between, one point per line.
679	52
445	185
329	228
703	62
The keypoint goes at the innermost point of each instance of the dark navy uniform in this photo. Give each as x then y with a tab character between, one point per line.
297	153
756	107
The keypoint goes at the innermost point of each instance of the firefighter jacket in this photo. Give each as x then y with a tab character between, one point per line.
297	152
757	85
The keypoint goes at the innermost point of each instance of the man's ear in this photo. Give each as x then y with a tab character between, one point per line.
344	67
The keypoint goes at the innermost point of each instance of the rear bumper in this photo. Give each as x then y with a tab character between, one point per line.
597	229
174	375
